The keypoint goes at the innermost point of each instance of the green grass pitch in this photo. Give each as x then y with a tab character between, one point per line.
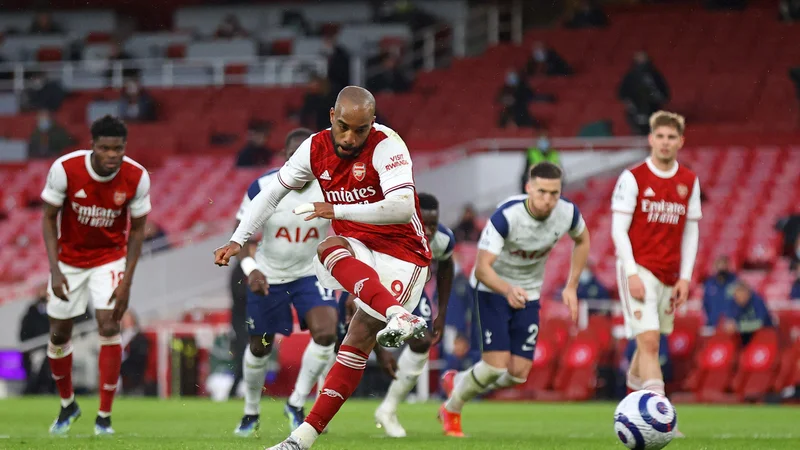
201	424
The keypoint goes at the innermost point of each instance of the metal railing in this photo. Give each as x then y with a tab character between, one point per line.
217	71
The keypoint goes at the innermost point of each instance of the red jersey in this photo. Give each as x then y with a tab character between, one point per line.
660	202
382	167
94	209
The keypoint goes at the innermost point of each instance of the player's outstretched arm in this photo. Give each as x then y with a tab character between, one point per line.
444	284
580	255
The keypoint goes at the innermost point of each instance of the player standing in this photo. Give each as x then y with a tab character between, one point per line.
380	252
94	256
656	209
508	277
280	274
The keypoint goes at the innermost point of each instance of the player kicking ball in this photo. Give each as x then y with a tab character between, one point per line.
507	279
407	369
280	274
380	253
92	259
656	209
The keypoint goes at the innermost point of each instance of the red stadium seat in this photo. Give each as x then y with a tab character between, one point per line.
714	366
577	373
545	361
757	364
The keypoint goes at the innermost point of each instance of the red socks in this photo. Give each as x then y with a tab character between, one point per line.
60	357
358	279
341	382
110	360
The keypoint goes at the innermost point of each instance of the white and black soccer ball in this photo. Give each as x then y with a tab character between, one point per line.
645	420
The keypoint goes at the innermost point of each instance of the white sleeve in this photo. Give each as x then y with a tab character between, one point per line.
297	170
397	207
140	205
620	224
55	188
393	164
625	192
689	244
491	240
695	211
260	209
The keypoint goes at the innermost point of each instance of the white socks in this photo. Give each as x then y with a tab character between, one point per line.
409	367
255	370
305	435
506	380
316	360
476	380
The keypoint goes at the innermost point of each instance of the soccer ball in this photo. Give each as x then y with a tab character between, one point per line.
645	420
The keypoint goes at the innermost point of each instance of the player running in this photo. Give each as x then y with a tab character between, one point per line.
280	273
656	209
507	279
407	369
380	252
92	259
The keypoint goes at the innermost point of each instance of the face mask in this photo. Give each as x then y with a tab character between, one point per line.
539	55
44	124
131	89
543	144
512	79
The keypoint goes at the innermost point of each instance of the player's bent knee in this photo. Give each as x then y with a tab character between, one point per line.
330	242
59	337
108	329
648	342
420	345
258	348
324	338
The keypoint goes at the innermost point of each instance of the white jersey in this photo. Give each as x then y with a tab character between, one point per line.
289	243
522	242
442	243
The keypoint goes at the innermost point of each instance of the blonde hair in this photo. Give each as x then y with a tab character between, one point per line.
667	119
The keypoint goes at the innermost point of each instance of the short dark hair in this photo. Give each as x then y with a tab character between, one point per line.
428	201
546	170
297	133
109	126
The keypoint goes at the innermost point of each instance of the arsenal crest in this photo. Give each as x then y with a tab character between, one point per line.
359	171
683	191
119	198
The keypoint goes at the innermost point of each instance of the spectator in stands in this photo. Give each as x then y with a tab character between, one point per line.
514	97
135	354
716	297
588	15
467	228
338	64
789	10
255	151
42	93
790	227
541	151
644	91
747	313
391	77
317	102
117	53
794	75
795	294
590	287
135	104
230	28
546	61
43	24
35	324
48	138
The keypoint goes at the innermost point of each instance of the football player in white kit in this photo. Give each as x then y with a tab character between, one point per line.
280	274
507	279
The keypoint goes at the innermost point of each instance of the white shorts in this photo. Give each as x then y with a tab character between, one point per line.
655	313
403	279
95	284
